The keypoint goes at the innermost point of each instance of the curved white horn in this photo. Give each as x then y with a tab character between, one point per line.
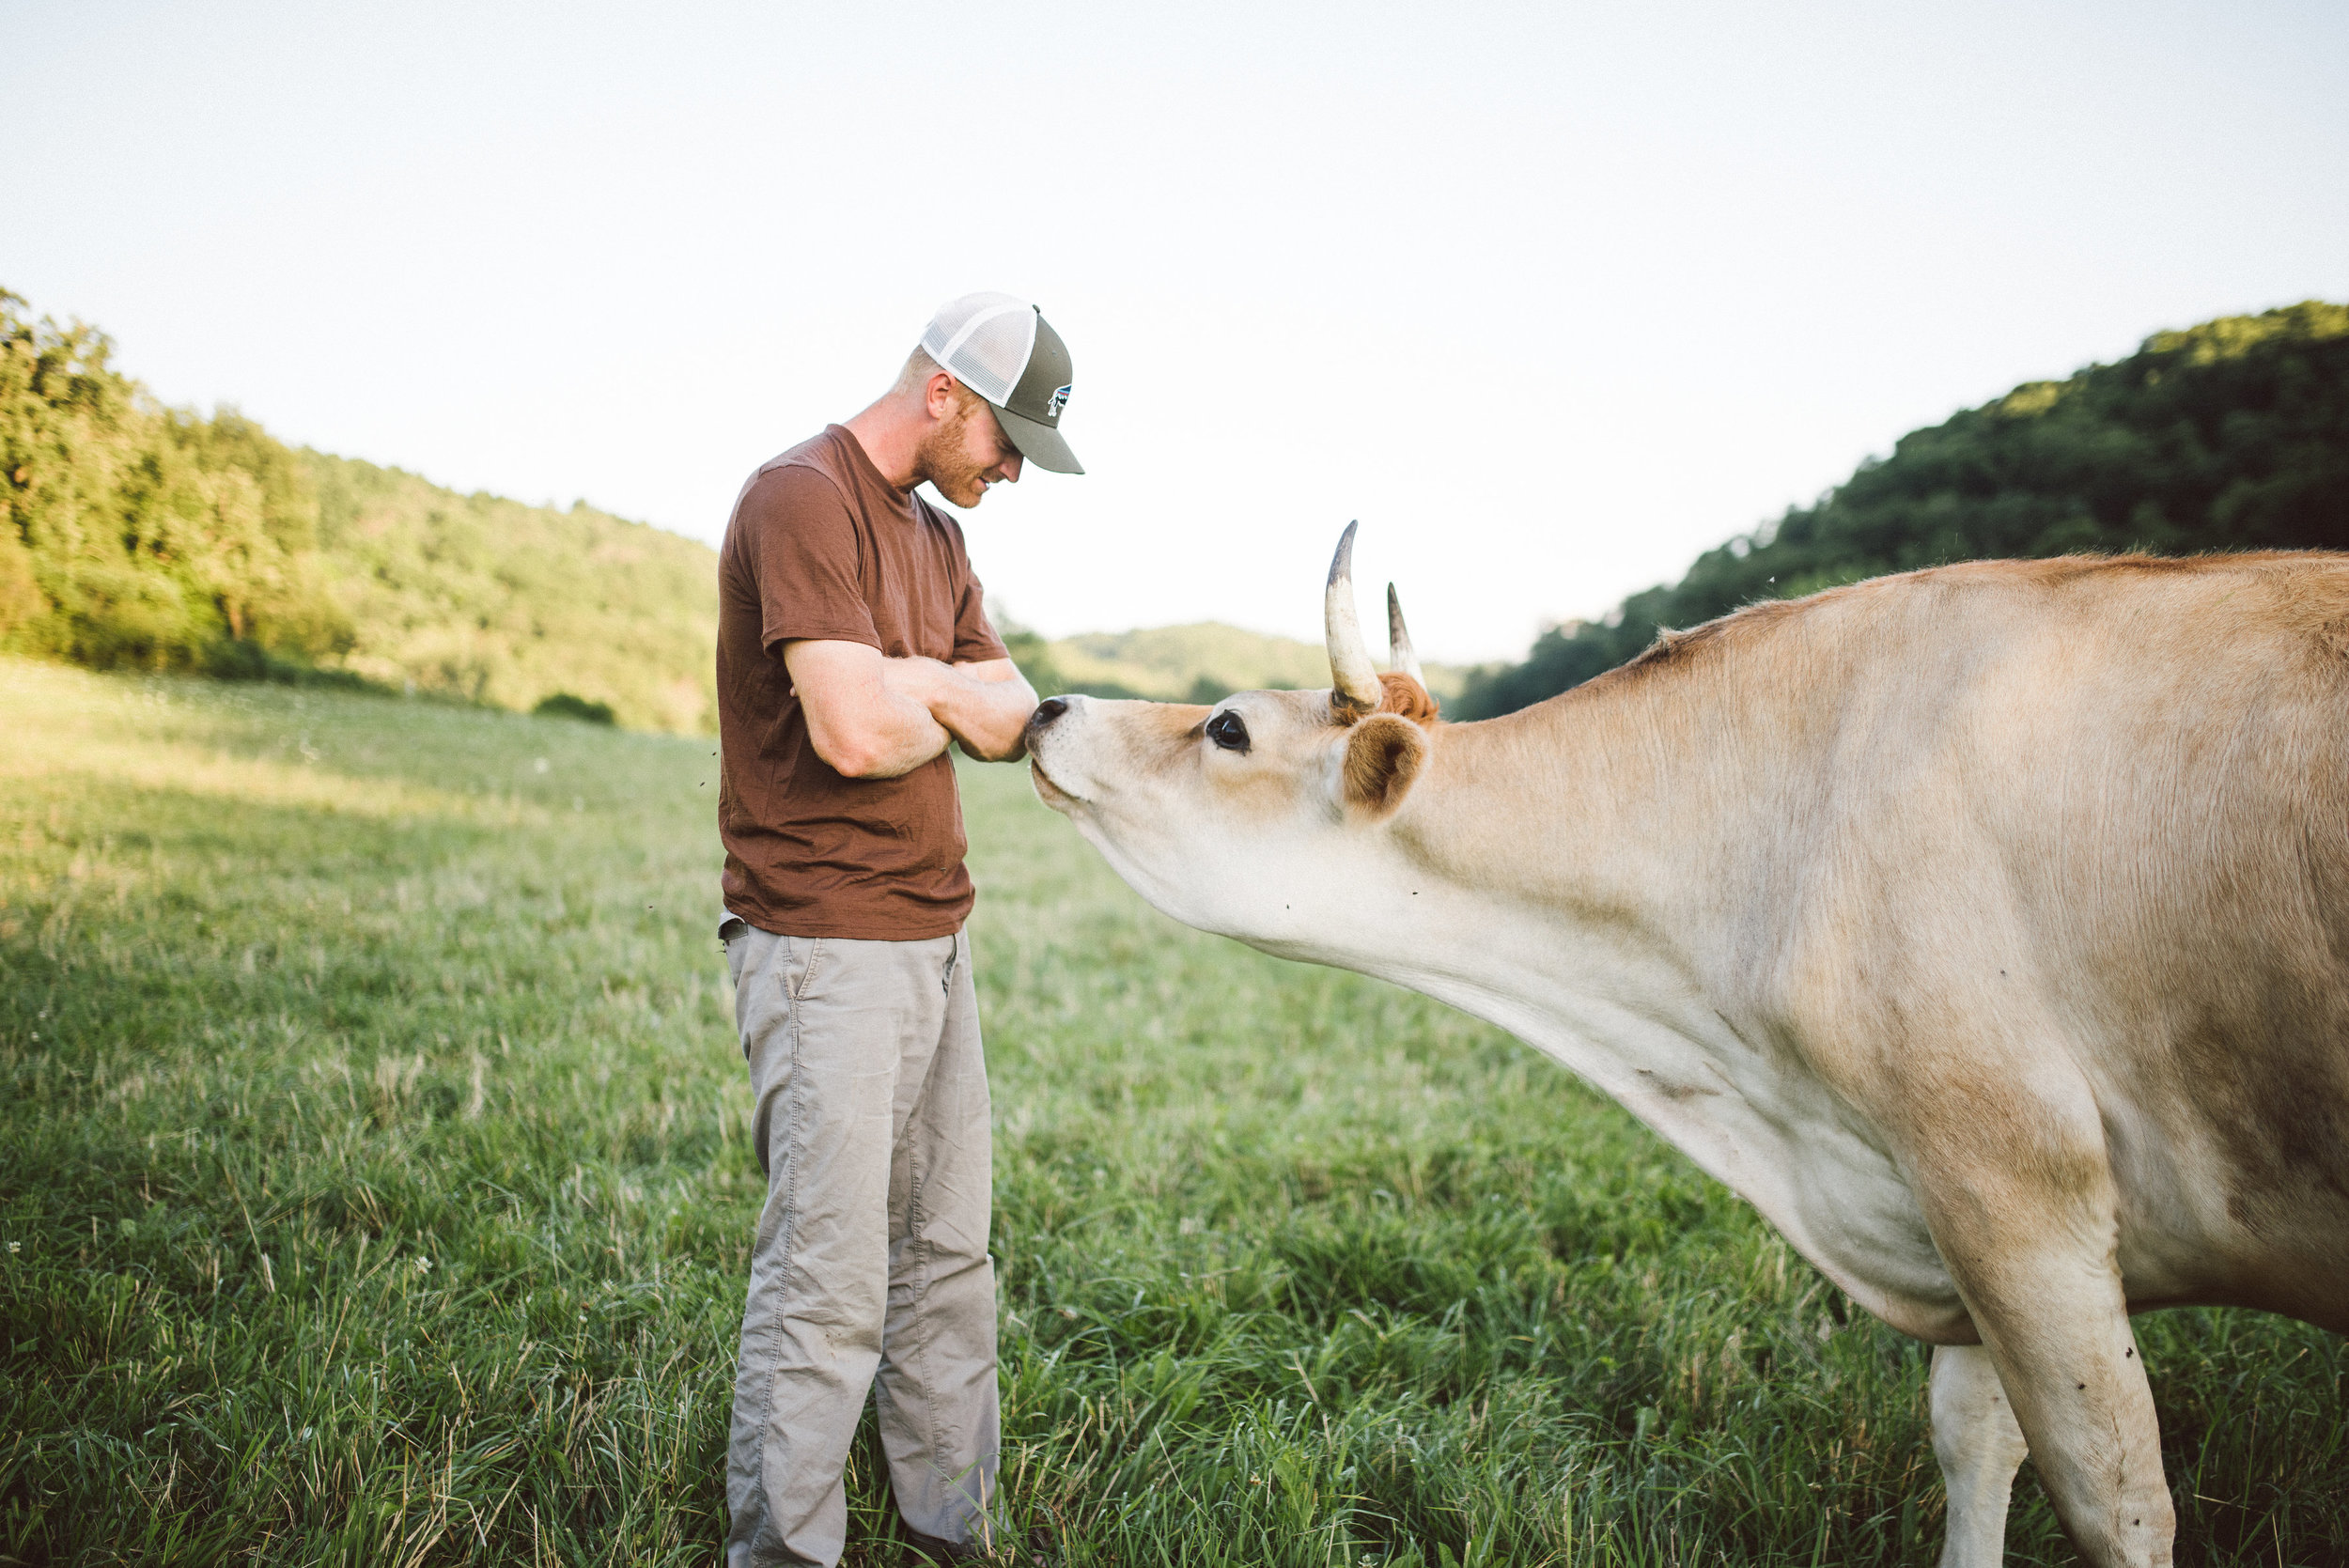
1399	640
1353	678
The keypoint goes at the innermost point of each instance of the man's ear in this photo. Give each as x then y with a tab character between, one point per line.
938	394
1383	755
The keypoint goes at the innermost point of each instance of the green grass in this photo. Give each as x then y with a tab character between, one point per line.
374	1189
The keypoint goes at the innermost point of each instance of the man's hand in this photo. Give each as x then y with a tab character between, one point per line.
875	718
984	704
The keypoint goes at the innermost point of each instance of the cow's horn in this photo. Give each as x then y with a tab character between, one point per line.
1399	640
1353	678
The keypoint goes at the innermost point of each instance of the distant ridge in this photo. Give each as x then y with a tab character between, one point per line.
1200	662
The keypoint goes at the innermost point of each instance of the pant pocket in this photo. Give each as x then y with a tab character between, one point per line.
802	963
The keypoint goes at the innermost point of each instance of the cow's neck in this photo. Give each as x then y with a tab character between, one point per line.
1602	876
1646	806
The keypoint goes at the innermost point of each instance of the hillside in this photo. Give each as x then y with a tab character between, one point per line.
159	538
494	601
2233	435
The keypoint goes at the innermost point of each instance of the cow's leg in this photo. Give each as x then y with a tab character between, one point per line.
2022	1207
1975	1438
2080	1397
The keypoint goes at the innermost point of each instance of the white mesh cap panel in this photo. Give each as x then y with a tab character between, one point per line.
983	341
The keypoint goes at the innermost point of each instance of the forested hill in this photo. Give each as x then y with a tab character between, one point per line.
2233	435
499	602
140	535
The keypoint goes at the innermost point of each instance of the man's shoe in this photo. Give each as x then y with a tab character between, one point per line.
1034	1550
1038	1549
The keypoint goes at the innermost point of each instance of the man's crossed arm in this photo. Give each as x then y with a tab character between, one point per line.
872	716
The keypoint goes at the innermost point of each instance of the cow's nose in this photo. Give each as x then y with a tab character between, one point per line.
1045	711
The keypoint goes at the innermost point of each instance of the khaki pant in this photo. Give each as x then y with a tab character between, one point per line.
871	1255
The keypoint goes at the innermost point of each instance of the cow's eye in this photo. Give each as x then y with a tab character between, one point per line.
1228	730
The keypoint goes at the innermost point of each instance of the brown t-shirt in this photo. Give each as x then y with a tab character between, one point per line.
819	545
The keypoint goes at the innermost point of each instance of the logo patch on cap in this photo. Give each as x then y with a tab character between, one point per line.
1053	404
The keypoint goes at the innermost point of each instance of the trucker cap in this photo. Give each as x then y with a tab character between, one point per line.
1004	350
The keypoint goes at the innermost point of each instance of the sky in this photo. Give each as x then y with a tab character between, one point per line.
1551	296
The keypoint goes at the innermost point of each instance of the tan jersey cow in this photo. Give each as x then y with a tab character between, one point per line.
1987	928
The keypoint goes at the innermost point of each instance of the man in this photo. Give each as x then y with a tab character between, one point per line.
852	646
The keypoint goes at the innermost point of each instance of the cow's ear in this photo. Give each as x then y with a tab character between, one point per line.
1383	755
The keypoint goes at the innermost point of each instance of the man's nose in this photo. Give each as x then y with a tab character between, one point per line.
1012	466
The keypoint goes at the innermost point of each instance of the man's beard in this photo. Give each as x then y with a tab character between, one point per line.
942	460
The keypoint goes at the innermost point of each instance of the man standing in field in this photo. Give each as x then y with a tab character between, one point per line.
853	647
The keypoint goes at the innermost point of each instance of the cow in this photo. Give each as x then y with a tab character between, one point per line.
1985	927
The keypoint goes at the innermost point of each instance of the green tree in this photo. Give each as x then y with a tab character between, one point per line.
139	534
2233	435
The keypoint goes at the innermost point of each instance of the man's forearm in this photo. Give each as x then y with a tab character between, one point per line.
858	720
897	737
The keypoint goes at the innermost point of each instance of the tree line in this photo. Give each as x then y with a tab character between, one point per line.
145	536
2231	435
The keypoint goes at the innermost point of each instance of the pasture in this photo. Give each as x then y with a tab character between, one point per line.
374	1188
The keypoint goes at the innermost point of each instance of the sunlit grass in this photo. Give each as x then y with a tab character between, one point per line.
374	1189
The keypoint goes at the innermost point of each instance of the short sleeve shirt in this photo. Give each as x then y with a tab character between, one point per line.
821	547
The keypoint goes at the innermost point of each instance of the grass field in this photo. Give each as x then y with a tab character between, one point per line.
374	1189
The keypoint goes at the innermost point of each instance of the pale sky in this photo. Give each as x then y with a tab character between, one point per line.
1552	297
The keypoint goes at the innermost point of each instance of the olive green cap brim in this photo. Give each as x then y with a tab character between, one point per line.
1039	443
